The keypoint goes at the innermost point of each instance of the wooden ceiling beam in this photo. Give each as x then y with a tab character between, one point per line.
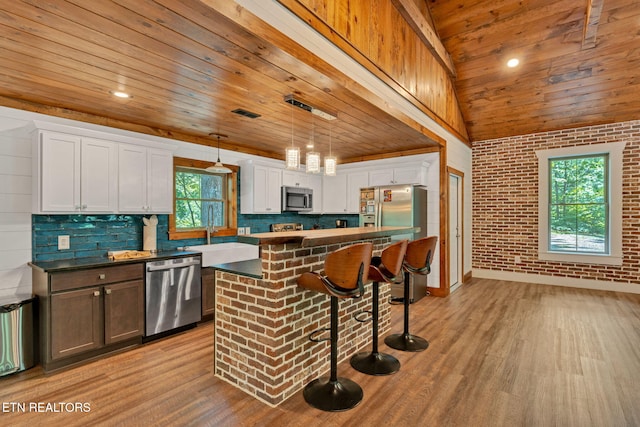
591	21
411	13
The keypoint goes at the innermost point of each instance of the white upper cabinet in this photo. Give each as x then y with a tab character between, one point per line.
295	179
341	193
160	187
334	194
259	189
355	181
99	168
403	175
74	174
145	180
315	183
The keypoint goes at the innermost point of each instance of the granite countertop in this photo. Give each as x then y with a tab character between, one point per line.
80	263
249	268
308	238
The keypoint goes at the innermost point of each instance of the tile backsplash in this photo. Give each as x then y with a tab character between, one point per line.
94	235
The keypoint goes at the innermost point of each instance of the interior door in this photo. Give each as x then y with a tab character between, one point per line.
455	231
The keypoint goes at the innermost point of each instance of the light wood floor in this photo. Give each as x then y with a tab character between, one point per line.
501	354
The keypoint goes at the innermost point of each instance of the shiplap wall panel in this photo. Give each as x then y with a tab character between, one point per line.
15	209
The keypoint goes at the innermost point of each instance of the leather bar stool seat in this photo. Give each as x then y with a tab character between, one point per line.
345	272
386	268
416	261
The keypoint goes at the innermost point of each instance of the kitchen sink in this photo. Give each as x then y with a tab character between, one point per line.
222	253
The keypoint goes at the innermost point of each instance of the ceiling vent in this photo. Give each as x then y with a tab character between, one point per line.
246	113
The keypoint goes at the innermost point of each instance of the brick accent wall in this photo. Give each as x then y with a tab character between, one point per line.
262	326
505	203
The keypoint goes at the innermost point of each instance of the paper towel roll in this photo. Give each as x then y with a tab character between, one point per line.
149	238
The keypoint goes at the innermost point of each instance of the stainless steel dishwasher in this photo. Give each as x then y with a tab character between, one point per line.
173	294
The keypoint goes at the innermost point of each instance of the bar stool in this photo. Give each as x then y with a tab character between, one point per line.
385	268
346	272
416	261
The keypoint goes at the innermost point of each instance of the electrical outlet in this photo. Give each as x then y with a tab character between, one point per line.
518	260
247	230
240	231
63	242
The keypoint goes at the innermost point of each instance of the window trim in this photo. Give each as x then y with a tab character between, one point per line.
615	153
232	202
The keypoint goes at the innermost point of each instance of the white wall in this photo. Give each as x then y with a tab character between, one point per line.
15	207
459	157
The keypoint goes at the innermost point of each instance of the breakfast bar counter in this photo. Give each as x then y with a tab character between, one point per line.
308	238
262	322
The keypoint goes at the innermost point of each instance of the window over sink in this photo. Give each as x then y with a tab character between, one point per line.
199	194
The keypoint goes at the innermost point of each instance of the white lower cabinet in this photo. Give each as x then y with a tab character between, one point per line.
145	180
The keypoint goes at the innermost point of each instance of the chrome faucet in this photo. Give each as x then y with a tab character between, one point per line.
210	228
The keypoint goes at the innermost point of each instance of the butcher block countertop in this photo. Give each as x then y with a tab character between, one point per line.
328	236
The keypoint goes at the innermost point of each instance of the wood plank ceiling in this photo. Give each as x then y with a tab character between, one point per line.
579	62
188	66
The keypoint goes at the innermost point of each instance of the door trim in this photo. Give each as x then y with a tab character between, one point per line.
460	175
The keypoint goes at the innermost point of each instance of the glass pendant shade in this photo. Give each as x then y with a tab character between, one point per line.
330	165
313	162
292	158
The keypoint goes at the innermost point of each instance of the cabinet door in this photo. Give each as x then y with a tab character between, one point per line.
160	181
355	181
334	194
98	184
123	311
408	175
208	291
76	322
295	179
274	184
266	189
260	189
381	177
315	183
59	180
132	178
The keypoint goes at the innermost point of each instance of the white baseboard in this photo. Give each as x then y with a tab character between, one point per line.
541	279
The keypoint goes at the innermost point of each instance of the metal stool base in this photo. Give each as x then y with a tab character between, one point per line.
375	363
406	342
333	396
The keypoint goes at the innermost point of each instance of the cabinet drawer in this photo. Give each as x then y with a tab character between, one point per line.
95	276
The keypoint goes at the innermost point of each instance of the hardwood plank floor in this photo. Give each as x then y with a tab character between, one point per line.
501	354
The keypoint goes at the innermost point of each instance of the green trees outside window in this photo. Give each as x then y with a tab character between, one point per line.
198	193
578	204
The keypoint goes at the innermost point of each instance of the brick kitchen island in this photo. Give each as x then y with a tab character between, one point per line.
263	319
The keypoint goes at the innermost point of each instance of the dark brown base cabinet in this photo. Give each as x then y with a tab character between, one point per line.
88	312
208	293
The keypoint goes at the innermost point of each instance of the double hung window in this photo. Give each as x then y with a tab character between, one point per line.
580	204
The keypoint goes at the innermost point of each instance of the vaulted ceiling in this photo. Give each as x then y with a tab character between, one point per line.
579	62
188	65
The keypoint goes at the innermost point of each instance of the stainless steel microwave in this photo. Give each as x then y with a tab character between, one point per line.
297	199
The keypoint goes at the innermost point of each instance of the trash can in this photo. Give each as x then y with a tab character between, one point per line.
16	333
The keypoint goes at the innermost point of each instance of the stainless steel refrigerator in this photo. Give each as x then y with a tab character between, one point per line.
397	205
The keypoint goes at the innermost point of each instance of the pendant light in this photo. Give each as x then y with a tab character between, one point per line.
218	167
330	162
292	154
313	157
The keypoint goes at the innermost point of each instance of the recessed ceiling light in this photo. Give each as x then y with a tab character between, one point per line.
513	62
121	94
